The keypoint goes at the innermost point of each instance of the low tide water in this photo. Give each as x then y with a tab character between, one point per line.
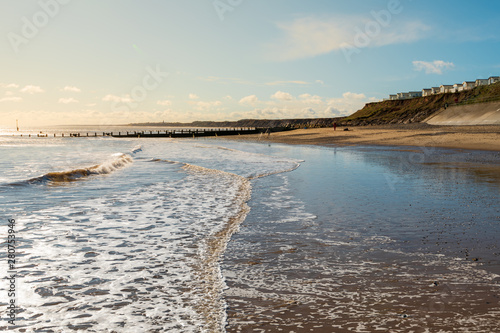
209	235
365	239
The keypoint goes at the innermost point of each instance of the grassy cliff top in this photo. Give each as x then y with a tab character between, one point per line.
418	109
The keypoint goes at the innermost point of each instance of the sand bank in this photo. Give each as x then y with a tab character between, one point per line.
479	137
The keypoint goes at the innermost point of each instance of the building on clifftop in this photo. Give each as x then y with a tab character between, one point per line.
493	79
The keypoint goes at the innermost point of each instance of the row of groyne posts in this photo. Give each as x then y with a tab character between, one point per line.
171	133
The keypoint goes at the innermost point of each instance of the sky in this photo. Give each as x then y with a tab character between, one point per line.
122	61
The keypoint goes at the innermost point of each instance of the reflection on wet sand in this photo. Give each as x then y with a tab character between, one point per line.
360	240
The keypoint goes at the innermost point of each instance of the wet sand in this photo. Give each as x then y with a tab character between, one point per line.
388	259
480	137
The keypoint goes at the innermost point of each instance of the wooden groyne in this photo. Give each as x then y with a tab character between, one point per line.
169	133
186	133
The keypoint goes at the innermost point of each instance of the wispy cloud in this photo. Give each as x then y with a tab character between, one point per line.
114	98
30	89
312	36
71	89
227	80
433	67
11	99
279	83
164	103
9	85
67	100
205	106
193	96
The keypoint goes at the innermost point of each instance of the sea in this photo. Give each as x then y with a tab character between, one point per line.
220	235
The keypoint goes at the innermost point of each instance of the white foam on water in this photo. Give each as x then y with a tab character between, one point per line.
129	262
139	259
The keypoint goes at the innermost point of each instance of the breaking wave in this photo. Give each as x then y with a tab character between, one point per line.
118	161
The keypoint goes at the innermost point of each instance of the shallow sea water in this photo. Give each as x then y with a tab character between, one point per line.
123	235
368	239
208	235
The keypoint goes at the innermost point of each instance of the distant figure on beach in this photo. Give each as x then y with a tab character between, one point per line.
334	126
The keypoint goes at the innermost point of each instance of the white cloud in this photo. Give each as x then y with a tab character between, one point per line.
283	105
30	89
71	88
164	103
114	98
434	67
312	36
320	82
67	100
228	98
11	99
9	85
288	113
349	102
251	100
282	96
353	96
193	96
310	99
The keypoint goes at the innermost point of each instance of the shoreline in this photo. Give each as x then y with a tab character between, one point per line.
471	137
415	263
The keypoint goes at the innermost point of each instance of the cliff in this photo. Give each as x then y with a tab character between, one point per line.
260	123
418	109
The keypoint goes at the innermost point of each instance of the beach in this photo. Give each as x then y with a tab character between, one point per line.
248	234
479	137
405	243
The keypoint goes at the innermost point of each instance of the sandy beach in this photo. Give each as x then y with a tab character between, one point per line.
430	269
479	137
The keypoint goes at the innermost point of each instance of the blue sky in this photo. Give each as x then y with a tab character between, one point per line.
122	61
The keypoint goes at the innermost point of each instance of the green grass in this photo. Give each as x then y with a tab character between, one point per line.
417	109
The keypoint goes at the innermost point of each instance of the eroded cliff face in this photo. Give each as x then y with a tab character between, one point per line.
418	109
